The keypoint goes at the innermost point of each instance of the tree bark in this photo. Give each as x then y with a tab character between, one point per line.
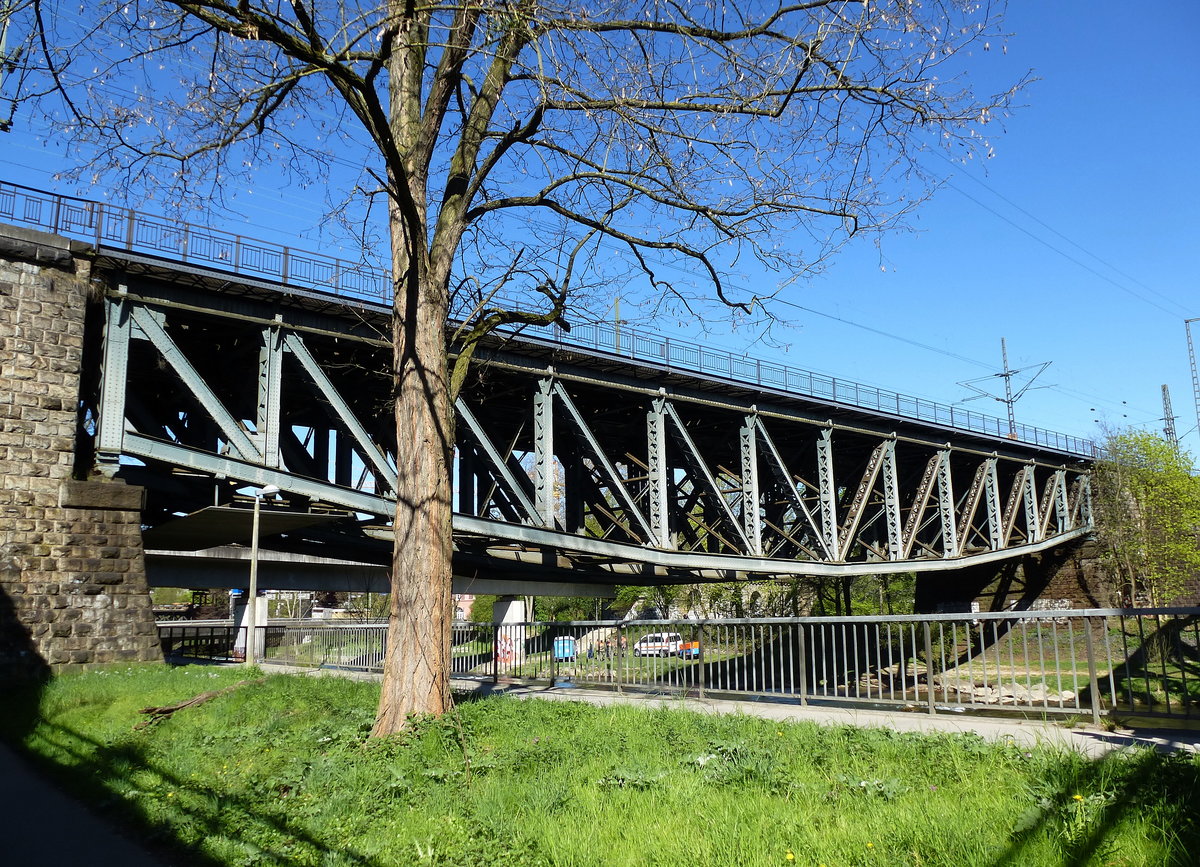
417	664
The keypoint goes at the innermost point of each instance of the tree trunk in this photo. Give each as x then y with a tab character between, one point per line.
417	663
416	672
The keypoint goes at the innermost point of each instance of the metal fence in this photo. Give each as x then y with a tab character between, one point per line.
1085	662
124	229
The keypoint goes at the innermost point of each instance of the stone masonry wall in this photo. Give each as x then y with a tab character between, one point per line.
72	575
1066	577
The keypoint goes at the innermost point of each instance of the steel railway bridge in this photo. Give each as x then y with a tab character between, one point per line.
610	457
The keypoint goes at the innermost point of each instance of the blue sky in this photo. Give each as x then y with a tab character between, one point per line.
1074	242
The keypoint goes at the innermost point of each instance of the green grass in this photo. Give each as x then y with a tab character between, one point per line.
282	772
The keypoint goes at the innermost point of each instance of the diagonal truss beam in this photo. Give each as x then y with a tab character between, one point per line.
706	475
785	478
616	483
148	324
859	502
916	514
371	452
499	464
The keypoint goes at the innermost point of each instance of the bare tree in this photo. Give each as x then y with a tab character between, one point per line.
658	133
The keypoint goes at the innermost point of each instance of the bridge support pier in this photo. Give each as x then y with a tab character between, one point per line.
72	574
241	619
1067	577
510	612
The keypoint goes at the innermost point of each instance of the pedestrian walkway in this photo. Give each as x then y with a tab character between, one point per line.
42	825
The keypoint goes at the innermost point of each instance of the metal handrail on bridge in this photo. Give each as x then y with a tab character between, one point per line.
123	229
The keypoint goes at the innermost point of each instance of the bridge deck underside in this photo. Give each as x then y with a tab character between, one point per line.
563	468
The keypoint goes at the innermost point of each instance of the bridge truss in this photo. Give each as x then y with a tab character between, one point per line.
568	463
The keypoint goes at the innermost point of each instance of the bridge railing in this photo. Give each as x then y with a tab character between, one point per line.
1075	662
124	229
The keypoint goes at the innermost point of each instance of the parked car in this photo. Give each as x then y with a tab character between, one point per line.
658	644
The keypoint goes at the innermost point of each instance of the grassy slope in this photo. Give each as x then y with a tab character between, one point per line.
281	772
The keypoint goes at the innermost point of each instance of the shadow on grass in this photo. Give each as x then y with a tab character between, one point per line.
100	775
1086	806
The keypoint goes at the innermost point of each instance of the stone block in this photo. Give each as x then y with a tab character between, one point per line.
101	495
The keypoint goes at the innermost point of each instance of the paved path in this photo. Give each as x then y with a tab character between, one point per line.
39	824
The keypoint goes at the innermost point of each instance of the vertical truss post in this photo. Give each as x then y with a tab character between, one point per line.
1062	510
751	514
891	500
991	494
573	474
946	504
343	460
110	430
467	503
659	472
543	450
270	378
1085	500
825	478
1033	521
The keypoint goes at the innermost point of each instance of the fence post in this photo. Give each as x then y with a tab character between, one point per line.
495	653
1094	682
700	659
553	630
929	668
620	657
802	654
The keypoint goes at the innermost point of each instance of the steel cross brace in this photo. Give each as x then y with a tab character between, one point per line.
706	475
784	476
616	483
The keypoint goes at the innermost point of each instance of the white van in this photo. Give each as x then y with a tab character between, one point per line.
658	644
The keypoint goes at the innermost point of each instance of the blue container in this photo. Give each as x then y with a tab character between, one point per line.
564	648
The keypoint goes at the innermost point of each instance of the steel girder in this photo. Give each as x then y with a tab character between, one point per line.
566	465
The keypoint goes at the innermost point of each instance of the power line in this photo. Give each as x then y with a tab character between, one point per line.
1051	228
1061	252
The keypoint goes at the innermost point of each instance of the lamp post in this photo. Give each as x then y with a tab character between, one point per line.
252	602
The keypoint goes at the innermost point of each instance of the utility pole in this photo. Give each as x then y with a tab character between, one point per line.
1169	418
1187	326
1010	399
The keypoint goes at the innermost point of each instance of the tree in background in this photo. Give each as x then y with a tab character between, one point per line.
1146	499
519	149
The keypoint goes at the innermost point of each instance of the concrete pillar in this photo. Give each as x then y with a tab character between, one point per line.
509	612
241	619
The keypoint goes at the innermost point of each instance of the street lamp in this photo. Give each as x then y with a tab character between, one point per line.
252	602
